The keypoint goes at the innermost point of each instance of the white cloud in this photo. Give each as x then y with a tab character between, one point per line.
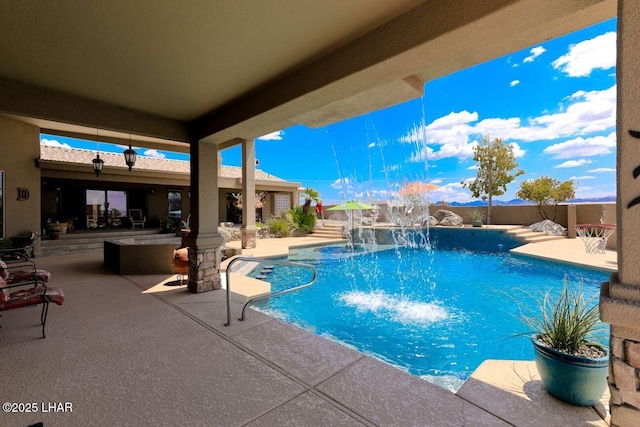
473	167
392	168
273	136
346	185
436	181
450	133
578	178
154	153
455	135
587	192
601	170
581	147
574	163
514	82
582	58
468	181
535	52
451	193
593	111
373	144
517	151
53	143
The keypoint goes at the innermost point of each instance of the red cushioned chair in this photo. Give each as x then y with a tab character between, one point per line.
34	291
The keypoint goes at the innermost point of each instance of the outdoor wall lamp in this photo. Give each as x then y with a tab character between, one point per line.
130	155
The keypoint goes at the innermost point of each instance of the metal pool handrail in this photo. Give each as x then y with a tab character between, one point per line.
263	297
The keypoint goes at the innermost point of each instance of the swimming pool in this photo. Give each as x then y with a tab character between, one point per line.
434	313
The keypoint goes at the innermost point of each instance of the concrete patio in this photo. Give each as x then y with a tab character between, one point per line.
123	355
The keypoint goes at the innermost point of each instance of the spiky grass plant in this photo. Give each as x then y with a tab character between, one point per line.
567	322
279	227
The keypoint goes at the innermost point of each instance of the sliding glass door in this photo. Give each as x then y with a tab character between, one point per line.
105	208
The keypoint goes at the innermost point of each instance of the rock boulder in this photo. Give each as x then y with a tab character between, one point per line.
549	227
445	217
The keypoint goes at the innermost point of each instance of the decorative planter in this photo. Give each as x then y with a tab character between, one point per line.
476	222
574	379
59	227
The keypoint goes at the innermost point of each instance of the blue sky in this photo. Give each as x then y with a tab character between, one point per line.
555	102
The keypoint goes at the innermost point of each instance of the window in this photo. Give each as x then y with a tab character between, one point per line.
175	203
105	208
281	202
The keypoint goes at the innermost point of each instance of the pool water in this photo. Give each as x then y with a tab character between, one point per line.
437	314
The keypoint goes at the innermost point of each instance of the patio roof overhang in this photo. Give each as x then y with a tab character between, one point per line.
78	171
223	71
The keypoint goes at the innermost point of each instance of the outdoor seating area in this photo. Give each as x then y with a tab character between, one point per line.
267	371
28	286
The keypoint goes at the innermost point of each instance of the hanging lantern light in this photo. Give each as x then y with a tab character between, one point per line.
130	155
97	164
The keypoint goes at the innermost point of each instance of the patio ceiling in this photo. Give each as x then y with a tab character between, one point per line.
173	72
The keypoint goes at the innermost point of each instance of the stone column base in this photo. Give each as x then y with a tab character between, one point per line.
204	271
619	307
249	237
624	373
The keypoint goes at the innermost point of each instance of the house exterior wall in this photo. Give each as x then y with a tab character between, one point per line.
18	161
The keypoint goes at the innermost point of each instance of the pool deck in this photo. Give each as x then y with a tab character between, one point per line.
127	350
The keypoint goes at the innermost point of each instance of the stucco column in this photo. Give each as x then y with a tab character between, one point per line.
571	221
620	297
249	229
204	241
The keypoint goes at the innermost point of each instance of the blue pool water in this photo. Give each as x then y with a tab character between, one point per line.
435	313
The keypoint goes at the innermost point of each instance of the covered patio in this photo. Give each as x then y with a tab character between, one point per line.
201	77
127	350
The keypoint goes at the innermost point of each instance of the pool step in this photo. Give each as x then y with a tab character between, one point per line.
79	242
529	236
328	231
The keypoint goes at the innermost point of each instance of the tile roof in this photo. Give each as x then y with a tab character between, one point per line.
81	156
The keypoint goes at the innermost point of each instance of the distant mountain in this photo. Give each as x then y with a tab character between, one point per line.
515	202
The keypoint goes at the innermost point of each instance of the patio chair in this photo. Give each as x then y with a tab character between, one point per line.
34	291
136	218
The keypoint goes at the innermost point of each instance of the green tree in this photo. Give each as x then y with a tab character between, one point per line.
309	195
545	191
496	163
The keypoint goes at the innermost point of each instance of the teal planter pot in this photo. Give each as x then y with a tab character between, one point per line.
573	379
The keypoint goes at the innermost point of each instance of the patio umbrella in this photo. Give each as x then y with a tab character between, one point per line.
351	206
416	188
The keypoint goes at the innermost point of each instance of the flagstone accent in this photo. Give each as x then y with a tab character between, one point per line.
204	271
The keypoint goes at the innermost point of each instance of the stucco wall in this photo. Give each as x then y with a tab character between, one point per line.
22	148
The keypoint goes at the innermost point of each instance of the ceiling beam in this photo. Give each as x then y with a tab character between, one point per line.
22	99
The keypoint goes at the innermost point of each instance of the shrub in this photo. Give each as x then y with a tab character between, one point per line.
279	227
566	323
5	243
301	220
477	214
